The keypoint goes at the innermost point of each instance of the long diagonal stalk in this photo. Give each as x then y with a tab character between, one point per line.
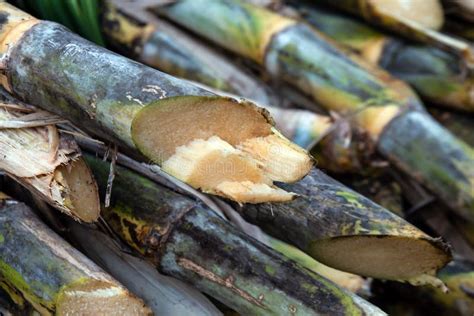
213	143
379	104
37	265
188	241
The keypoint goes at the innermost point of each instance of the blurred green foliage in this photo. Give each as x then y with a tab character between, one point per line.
80	16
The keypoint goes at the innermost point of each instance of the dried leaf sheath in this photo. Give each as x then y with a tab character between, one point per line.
46	162
53	276
147	111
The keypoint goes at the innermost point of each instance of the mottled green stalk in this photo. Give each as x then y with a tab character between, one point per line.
165	47
51	275
438	76
190	242
293	51
438	159
334	225
409	28
164	295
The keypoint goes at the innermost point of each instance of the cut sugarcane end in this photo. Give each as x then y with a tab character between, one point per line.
206	163
281	159
427	13
196	139
75	190
95	297
249	192
383	257
161	127
215	166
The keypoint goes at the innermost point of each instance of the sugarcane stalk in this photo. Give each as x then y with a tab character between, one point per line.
396	15
334	225
51	275
213	143
47	162
163	46
190	242
416	31
392	117
164	295
438	76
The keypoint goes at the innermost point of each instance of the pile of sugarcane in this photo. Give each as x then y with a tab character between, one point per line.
232	157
